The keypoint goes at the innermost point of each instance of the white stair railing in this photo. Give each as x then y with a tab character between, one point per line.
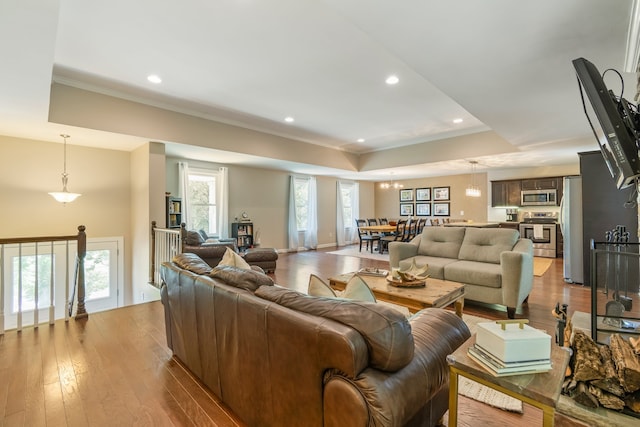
25	286
165	244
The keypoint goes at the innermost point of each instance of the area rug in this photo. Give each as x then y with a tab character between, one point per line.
353	251
479	392
541	265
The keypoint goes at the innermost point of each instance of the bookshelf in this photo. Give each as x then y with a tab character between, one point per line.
174	212
243	233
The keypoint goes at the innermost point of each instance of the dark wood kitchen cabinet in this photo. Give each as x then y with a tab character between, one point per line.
550	183
505	193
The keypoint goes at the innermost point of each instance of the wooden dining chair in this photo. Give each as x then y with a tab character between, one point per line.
435	221
365	237
395	237
420	226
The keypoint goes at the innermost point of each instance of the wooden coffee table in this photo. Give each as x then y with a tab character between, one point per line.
436	293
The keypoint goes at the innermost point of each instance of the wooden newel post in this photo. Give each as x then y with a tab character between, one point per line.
152	253
81	312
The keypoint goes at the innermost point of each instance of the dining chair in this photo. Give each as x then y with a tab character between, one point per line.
365	237
383	221
410	230
420	226
435	221
395	237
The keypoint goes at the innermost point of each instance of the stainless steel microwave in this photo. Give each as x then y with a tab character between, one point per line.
538	197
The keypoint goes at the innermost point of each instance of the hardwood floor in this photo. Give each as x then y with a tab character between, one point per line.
115	367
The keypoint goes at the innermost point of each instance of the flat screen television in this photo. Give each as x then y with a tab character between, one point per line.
616	127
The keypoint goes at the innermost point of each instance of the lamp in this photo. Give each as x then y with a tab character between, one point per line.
473	190
64	196
391	184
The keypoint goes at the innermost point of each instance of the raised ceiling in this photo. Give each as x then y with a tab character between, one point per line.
502	66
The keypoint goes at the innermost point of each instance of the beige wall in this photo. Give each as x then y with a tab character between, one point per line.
30	169
264	195
387	201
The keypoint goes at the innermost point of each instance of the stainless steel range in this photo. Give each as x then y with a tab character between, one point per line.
540	227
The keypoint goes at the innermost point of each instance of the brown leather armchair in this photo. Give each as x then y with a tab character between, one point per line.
209	250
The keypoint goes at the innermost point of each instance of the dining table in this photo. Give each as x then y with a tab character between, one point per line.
379	228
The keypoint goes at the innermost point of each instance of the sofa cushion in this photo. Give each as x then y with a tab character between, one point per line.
232	258
192	262
203	234
193	238
473	272
241	278
486	245
386	331
436	265
442	242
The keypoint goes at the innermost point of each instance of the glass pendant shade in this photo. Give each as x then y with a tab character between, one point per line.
64	196
473	190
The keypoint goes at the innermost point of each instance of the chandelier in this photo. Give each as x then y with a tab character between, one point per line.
64	196
391	184
473	190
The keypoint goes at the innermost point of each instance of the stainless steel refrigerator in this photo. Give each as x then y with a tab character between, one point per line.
571	226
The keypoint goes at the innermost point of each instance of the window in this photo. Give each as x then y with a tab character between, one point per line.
302	202
202	200
347	191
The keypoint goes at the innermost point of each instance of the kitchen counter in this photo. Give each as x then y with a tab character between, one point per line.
473	224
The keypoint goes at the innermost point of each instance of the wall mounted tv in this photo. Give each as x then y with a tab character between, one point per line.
616	127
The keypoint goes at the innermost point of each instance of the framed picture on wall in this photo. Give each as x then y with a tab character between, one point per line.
423	209
423	194
441	209
406	209
441	193
406	195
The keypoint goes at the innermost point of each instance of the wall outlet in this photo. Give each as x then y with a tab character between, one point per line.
461	213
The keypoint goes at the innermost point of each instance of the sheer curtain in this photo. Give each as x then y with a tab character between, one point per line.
311	230
183	189
346	212
311	234
222	182
293	223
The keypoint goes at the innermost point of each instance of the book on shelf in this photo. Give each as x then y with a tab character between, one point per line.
521	368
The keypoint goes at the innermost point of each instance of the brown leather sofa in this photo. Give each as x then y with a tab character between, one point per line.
277	357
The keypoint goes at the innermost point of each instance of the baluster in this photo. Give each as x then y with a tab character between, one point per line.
81	312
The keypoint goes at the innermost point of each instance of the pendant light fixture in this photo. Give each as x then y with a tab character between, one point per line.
473	190
64	196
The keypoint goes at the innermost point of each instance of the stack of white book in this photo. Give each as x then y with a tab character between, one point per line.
511	347
499	367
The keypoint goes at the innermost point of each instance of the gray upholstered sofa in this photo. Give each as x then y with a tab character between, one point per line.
495	264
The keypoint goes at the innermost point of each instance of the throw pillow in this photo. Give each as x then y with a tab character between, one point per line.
193	238
358	289
318	288
233	259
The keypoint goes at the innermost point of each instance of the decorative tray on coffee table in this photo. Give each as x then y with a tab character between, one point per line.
399	283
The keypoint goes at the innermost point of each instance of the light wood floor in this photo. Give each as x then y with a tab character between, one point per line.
115	368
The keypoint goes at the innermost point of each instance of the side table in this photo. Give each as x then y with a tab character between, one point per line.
540	390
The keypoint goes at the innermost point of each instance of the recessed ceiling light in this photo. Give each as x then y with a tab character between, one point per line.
289	119
154	78
360	139
457	121
392	80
